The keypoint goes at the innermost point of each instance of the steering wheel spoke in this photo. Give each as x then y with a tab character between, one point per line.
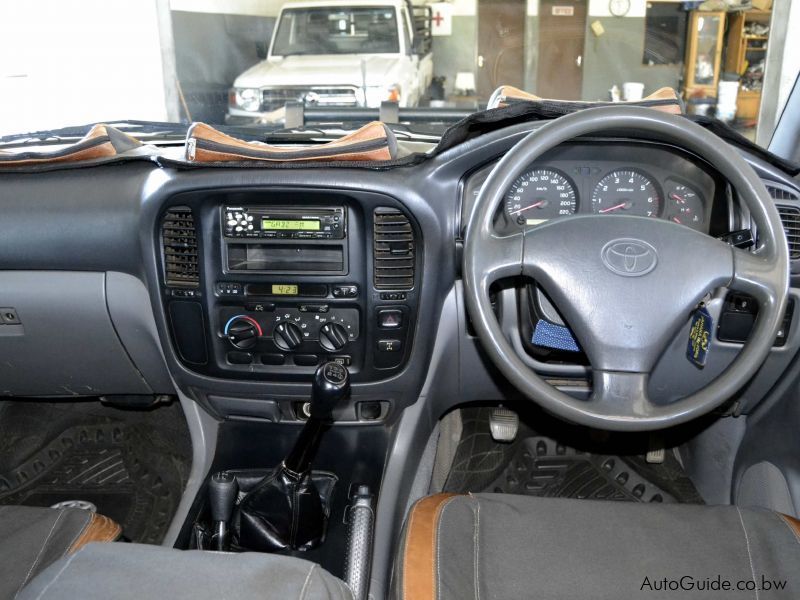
499	257
621	394
754	274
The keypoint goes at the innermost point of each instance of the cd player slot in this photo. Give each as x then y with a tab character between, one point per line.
286	258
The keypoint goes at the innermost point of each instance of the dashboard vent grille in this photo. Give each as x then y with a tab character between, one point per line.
790	216
393	250
179	239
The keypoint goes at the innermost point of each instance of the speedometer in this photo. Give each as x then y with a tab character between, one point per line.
626	192
540	195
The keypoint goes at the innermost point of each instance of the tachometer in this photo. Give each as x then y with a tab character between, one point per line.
626	192
540	195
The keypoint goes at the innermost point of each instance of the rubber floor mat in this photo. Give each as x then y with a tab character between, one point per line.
132	465
543	467
478	458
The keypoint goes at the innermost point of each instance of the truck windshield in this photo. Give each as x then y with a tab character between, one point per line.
337	30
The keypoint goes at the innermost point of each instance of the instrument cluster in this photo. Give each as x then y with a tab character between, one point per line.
545	192
619	179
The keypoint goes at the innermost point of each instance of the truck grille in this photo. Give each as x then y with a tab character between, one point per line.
272	99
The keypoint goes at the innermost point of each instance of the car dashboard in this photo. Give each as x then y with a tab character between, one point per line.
230	285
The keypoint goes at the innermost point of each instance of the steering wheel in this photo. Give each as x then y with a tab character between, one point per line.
626	285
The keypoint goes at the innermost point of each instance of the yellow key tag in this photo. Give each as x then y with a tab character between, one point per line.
700	334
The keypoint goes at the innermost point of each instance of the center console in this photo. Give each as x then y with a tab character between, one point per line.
268	284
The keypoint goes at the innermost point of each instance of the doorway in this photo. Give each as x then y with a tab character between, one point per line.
562	32
501	45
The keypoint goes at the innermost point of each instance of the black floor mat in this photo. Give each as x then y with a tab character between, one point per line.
133	465
543	467
539	466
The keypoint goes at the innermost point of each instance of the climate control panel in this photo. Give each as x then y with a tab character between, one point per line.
273	334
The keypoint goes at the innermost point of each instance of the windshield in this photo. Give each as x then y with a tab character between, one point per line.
334	30
240	62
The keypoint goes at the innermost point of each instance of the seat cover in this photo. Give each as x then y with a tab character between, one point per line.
32	538
136	571
503	546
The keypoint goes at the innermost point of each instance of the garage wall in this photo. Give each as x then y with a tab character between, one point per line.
616	56
623	42
69	63
457	52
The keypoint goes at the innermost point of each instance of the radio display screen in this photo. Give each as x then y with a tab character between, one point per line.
290	225
285	289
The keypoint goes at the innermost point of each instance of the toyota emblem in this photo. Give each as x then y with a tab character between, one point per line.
629	257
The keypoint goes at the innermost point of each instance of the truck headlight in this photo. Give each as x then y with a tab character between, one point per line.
247	98
377	94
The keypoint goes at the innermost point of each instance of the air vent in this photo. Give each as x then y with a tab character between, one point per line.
394	250
179	239
790	216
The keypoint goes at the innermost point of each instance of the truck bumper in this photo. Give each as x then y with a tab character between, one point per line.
242	120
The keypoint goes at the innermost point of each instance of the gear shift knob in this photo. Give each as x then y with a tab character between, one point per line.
222	490
331	385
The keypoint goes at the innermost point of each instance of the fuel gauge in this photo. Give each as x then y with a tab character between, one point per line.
684	205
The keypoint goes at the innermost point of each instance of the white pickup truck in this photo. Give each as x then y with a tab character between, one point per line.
331	53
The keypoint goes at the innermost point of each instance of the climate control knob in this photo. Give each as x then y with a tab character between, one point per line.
332	337
287	336
243	332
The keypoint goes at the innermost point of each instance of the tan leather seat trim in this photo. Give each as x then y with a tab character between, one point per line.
794	525
419	554
99	529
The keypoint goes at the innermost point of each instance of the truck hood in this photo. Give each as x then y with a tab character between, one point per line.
322	70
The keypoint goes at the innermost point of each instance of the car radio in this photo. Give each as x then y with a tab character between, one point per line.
297	223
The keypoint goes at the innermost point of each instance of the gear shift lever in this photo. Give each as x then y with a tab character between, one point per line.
331	385
284	510
222	490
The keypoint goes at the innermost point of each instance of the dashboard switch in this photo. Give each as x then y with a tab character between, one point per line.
389	345
345	291
390	318
240	358
272	359
306	360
